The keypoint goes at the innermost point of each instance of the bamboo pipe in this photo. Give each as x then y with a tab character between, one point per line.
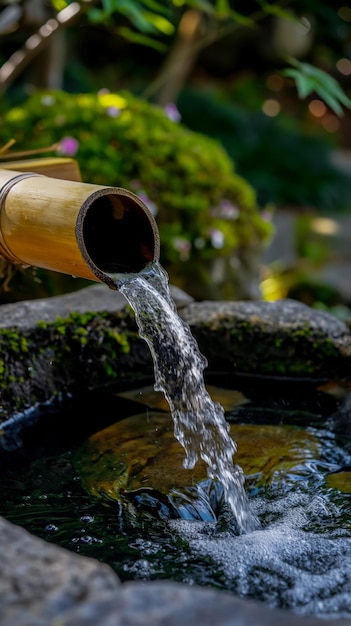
85	230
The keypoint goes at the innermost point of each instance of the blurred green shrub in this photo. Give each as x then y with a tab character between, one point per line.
285	165
204	210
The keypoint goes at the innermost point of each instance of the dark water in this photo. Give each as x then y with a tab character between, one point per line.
300	558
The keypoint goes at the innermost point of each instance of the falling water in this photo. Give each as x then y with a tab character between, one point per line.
199	423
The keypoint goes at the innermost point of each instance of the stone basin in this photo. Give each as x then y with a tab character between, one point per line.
60	346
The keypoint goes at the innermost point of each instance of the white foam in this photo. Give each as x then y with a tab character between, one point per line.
283	564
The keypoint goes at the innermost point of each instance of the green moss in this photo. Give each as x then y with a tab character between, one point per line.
14	347
121	339
57	357
289	352
14	341
78	332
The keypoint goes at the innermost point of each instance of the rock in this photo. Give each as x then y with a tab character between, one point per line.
139	460
228	398
340	480
85	339
60	346
64	344
284	338
28	313
38	581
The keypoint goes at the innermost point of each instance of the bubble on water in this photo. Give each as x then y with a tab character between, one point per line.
141	569
87	518
145	546
87	539
51	528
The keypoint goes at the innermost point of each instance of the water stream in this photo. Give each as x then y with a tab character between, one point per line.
199	423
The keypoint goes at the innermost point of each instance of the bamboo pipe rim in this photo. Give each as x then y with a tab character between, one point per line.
89	201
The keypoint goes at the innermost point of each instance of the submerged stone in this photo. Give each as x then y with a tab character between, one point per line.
138	461
228	398
340	481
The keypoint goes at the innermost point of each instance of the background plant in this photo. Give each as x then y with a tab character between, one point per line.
256	70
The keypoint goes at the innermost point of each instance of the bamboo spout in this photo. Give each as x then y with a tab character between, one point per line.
85	230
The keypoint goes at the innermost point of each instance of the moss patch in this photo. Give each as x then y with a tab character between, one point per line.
77	352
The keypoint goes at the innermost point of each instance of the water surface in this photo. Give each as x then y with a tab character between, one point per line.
300	558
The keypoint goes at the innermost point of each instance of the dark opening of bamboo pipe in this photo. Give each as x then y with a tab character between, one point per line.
115	233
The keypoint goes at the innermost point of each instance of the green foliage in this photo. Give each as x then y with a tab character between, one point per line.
311	79
151	19
286	166
203	208
279	11
148	20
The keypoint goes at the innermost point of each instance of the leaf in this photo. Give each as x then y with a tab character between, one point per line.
279	11
327	82
222	8
159	22
157	7
330	101
311	79
143	20
108	6
144	40
135	13
304	85
243	20
96	16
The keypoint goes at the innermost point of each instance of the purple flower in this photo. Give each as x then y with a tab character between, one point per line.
266	215
135	184
172	112
228	210
68	146
183	246
217	238
113	111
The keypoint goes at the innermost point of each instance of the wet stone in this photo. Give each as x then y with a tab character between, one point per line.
280	339
228	398
340	480
34	575
42	584
284	337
